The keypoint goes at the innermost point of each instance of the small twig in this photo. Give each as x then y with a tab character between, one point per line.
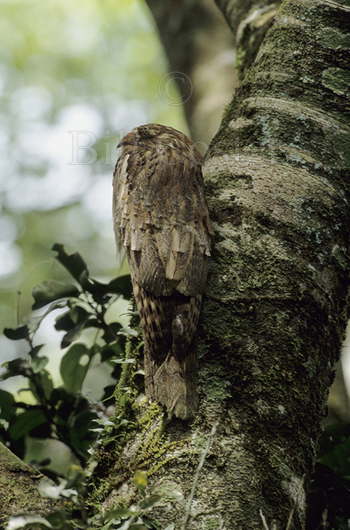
196	475
262	517
290	518
291	513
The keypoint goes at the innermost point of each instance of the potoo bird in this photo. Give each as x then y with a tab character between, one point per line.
161	218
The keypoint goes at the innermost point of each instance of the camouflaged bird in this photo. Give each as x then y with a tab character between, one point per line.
161	218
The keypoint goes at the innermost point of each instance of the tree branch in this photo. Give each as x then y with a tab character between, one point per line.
199	49
249	22
19	488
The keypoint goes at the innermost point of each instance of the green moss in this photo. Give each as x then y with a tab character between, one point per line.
99	493
240	58
124	392
130	446
212	523
337	80
334	39
151	454
213	381
18	486
342	141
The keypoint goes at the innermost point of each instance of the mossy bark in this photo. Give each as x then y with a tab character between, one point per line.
249	20
18	488
277	299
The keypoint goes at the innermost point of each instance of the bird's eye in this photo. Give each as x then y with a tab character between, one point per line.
119	151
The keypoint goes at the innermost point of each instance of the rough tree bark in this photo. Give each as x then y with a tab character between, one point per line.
277	300
276	175
249	20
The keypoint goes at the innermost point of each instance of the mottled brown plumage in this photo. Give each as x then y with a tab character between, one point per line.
161	218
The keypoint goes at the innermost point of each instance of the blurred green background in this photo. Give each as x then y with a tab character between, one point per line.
74	77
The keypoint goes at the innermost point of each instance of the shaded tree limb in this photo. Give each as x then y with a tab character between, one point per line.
19	493
199	49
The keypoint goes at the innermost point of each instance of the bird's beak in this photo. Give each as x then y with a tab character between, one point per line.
121	144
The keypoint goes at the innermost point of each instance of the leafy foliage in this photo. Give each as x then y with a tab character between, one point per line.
64	413
329	496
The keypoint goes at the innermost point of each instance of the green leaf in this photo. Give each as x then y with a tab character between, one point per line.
74	366
150	501
64	322
16	367
45	385
61	398
118	513
121	285
51	290
46	382
71	335
26	422
72	321
34	351
39	363
140	479
111	332
43	431
69	319
81	434
111	351
7	405
74	263
58	520
17	334
100	291
92	323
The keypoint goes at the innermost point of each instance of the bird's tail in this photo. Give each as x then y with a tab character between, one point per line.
171	382
169	324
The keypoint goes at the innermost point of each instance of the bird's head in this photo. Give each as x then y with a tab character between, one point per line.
154	133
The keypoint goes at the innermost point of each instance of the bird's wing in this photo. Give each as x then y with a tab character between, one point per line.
161	217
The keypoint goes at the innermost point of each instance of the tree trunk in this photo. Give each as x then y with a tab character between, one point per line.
276	305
